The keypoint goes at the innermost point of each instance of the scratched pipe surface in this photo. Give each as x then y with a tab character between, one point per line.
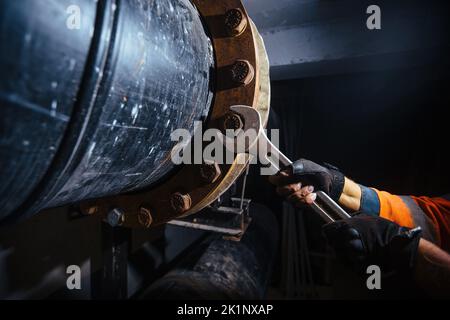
87	110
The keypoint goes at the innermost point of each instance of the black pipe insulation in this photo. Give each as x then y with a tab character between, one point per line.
87	110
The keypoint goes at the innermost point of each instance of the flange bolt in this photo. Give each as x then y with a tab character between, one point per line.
180	202
235	22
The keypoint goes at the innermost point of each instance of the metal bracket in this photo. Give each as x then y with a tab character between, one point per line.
231	221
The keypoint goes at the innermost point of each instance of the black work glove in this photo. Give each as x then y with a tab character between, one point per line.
325	178
365	240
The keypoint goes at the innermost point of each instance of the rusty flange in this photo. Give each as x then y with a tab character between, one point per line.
194	187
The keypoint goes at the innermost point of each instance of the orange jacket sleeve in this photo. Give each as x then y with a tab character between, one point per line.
431	214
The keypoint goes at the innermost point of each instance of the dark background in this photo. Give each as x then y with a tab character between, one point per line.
386	129
373	103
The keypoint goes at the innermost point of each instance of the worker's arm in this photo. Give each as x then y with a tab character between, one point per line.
366	239
431	214
432	270
351	195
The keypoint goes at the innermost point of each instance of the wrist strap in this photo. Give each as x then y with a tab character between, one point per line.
337	187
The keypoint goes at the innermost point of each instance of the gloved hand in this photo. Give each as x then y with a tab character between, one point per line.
305	176
366	239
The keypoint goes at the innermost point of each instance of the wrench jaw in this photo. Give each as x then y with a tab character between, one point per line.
250	117
324	206
248	135
247	141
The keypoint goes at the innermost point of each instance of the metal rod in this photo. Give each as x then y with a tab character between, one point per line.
319	210
333	206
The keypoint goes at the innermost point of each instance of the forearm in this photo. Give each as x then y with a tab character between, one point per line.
432	270
351	195
431	214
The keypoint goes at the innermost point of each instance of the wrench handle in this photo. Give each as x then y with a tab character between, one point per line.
332	209
324	206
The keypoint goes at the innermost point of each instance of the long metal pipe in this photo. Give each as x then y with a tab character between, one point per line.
224	269
87	109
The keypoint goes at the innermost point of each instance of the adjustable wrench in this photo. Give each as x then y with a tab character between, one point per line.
326	207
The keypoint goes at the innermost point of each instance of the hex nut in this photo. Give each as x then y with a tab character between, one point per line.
180	202
115	217
235	22
242	72
145	217
92	210
232	121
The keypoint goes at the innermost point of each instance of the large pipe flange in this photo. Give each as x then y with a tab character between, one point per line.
242	77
